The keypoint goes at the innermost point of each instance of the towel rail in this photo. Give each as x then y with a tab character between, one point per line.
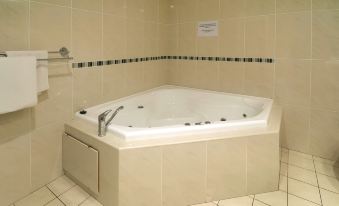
64	53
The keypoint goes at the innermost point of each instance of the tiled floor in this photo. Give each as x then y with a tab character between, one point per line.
305	180
60	192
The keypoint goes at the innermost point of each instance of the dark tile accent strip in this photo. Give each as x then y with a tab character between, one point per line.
156	58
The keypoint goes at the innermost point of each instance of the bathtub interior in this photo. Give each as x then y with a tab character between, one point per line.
173	107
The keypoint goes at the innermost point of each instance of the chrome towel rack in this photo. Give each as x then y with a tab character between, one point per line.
64	53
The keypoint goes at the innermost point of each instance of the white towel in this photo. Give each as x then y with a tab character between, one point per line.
42	67
17	83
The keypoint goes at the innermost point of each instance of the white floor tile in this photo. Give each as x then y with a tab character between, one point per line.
300	161
296	201
60	185
240	201
257	203
37	198
93	202
302	175
284	157
329	183
283	169
204	204
278	198
55	202
304	190
283	183
329	198
74	196
326	169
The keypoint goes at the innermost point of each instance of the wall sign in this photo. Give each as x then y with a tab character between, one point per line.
208	28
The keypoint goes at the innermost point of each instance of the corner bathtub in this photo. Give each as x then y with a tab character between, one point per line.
173	111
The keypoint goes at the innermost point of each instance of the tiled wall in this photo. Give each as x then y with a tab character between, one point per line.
303	38
30	140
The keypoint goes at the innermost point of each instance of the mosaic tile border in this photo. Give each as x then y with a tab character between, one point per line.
192	58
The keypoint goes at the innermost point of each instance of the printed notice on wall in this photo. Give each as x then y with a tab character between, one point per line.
208	28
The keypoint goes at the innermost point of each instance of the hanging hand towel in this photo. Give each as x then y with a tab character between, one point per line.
17	83
42	67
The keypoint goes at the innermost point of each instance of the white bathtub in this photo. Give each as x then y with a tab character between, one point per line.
172	111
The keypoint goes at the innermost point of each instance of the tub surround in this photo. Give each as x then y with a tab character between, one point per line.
197	166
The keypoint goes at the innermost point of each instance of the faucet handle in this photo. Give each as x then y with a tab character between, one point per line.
103	115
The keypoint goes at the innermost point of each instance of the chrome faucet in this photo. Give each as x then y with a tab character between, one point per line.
103	124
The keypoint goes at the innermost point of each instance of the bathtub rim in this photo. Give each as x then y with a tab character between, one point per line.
87	132
129	134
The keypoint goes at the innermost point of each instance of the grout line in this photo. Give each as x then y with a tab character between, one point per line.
84	200
321	200
287	177
303	198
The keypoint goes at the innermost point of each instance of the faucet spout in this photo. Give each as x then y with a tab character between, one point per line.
108	122
103	124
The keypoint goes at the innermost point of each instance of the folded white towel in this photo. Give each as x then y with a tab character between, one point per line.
17	83
42	67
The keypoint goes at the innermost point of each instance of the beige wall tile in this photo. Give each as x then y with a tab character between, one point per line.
168	11
295	128
56	2
187	10
259	79
135	9
184	168
140	177
151	8
154	75
325	4
15	124
324	141
116	7
14	25
55	105
184	73
325	85
231	40
294	35
325	34
187	39
207	75
114	43
87	88
91	5
226	168
260	7
50	27
231	8
168	39
46	154
86	35
293	5
231	77
15	178
113	82
292	82
260	35
208	10
262	163
150	39
134	78
208	46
